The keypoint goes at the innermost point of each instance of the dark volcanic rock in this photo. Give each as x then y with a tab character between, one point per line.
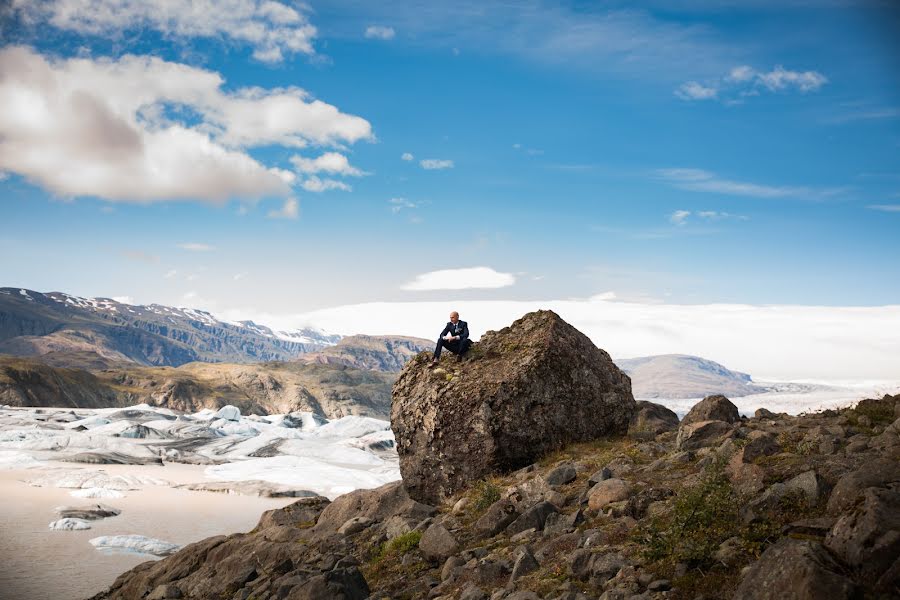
868	537
712	408
653	418
525	390
795	570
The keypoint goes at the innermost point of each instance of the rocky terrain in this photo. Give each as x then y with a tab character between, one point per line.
73	331
328	390
684	376
718	505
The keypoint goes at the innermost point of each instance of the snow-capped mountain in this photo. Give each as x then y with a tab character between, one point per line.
69	330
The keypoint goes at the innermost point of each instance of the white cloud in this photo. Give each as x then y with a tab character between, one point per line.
289	210
142	129
196	247
436	163
744	81
407	156
380	32
705	181
170	274
123	299
330	162
315	184
786	342
780	78
885	207
398	204
679	217
713	215
460	279
239	276
695	91
273	29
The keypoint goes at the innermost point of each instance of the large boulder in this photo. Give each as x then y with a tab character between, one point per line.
526	390
650	417
712	408
795	570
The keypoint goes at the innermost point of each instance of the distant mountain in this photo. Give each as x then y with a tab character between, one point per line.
372	352
683	376
92	332
331	391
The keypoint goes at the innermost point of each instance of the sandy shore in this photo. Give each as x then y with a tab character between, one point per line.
39	563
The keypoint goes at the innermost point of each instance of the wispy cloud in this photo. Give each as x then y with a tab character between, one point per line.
289	210
436	163
679	217
695	91
705	181
140	256
460	279
380	32
399	204
273	29
744	81
407	156
330	162
170	274
196	247
315	184
885	207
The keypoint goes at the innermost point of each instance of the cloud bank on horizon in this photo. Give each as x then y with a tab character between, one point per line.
824	343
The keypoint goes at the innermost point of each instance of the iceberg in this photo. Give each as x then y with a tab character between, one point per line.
69	524
135	543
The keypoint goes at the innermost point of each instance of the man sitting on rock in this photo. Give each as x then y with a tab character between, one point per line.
454	337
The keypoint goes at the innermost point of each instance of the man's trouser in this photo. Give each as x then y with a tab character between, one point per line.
455	346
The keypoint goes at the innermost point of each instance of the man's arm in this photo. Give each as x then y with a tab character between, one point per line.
446	330
464	335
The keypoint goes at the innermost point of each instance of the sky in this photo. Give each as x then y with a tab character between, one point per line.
295	162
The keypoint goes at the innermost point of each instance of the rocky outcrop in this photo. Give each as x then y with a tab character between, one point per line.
627	517
525	390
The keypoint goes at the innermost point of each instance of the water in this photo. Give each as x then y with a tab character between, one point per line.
38	563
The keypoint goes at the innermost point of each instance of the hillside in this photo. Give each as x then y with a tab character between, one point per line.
77	331
683	376
331	391
373	352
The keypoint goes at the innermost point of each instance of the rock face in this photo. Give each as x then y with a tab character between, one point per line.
523	391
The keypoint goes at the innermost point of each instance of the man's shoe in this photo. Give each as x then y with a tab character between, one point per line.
433	364
459	357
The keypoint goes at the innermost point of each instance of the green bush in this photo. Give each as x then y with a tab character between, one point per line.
703	517
484	493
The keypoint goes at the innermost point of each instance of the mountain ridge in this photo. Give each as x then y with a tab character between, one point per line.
33	323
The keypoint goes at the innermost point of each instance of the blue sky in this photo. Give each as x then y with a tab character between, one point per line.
678	153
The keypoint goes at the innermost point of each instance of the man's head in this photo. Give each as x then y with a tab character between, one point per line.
454	317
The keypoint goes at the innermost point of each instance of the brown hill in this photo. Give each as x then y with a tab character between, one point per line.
331	391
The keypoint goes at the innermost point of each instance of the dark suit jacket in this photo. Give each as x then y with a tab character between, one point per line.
461	329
